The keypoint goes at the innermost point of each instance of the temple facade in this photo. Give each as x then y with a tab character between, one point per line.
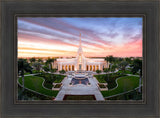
80	62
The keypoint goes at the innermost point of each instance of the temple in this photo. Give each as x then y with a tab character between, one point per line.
80	62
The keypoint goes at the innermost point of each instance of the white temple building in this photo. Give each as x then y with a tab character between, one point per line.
80	62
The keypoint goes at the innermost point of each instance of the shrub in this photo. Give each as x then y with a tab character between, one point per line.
98	71
57	85
50	78
62	71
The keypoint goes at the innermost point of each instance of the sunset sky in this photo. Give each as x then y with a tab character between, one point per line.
59	37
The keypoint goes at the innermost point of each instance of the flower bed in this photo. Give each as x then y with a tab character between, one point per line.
102	86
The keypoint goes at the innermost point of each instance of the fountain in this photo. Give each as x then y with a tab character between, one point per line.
80	78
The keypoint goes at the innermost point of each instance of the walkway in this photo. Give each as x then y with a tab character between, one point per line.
79	89
30	74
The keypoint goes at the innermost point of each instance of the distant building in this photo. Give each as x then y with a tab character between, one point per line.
80	62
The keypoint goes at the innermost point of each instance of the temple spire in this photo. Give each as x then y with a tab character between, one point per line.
80	40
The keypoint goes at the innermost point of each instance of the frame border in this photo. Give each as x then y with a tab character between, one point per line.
150	8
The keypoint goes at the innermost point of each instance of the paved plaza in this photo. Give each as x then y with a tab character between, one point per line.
79	89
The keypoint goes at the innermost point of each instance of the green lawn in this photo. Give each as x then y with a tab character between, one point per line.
35	83
29	95
133	95
124	84
27	73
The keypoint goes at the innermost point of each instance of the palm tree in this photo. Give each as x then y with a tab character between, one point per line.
32	59
23	65
46	68
113	67
128	60
40	60
137	66
123	65
110	58
49	61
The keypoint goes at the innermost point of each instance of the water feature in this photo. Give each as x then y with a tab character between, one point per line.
84	81
80	78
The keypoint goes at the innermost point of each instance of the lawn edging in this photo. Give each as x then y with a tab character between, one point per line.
112	92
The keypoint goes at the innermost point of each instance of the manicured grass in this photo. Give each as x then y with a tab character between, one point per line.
79	97
50	78
109	78
35	83
124	84
133	95
29	95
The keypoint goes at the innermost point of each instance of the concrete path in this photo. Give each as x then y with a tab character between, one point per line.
79	89
30	74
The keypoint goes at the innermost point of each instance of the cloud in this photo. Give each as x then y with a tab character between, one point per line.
100	36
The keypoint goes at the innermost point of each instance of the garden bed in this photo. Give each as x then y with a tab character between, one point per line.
109	78
57	86
51	78
102	86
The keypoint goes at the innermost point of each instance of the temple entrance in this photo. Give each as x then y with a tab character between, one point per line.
72	67
87	68
80	67
93	67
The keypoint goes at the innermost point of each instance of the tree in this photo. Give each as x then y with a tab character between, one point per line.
137	66
98	71
23	65
106	70
110	58
40	60
46	68
120	59
53	70
49	61
123	65
37	66
32	59
128	60
113	67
